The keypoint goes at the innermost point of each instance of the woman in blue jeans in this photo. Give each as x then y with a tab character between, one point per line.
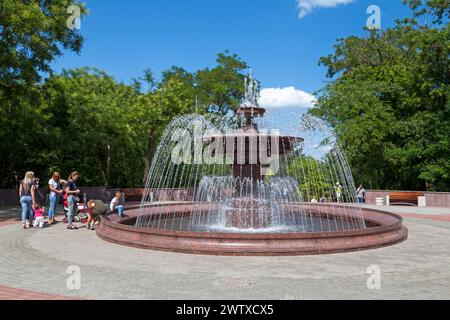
72	193
54	184
26	195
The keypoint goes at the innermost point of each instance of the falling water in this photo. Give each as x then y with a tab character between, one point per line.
207	190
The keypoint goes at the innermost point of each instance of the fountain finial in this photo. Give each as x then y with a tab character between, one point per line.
251	94
249	106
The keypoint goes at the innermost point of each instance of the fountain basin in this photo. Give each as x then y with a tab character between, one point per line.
382	229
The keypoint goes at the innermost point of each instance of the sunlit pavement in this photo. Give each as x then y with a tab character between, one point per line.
45	263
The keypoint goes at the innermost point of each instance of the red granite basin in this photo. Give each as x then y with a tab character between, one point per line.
382	229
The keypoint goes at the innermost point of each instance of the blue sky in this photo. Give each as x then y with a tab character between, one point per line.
125	37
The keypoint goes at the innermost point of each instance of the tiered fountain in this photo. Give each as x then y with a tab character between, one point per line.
239	190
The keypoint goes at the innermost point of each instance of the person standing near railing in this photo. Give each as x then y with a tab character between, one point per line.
73	197
338	190
54	184
27	190
360	192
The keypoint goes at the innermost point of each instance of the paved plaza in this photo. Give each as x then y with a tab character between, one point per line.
34	263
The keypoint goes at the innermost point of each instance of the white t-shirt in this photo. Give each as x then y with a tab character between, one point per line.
54	184
114	202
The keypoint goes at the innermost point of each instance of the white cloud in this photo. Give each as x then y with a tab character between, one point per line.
285	97
306	6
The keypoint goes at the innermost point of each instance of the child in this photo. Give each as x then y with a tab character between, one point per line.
115	204
95	209
38	215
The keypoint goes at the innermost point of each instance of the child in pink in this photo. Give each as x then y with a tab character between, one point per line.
38	216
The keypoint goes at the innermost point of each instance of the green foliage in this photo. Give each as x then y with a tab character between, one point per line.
311	174
216	90
85	120
95	127
221	89
389	102
32	34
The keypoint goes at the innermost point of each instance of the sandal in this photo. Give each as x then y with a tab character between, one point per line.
72	227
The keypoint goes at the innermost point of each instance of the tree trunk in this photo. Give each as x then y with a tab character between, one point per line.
151	148
108	165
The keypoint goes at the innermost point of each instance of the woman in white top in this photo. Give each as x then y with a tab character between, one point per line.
360	194
54	184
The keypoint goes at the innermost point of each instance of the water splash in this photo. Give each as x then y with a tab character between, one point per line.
313	190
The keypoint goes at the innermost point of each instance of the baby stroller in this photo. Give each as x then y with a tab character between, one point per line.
80	214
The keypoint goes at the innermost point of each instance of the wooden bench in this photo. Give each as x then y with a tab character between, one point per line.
405	198
133	195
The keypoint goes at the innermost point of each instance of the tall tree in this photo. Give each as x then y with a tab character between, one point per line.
32	34
97	127
221	89
216	90
388	101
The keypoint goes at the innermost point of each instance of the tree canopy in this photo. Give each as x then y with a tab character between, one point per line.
84	120
388	101
32	34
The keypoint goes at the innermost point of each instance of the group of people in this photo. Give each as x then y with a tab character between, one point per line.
360	194
33	211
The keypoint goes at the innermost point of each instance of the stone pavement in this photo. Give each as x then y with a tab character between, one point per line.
38	260
9	293
411	210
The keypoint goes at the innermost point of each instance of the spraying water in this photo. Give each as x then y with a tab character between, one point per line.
232	174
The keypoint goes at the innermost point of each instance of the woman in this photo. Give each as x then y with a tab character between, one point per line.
27	198
54	184
360	194
72	192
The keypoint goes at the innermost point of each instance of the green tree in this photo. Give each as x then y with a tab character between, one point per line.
388	102
171	99
216	90
32	34
222	88
312	176
97	127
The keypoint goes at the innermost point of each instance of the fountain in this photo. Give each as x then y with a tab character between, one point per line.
222	185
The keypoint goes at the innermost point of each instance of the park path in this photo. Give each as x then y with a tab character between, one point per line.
35	263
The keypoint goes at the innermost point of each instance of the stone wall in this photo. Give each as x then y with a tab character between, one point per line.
433	199
10	197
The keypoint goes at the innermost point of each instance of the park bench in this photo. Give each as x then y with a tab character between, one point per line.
133	194
405	198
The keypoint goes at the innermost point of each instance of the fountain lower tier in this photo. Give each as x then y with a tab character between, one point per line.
383	229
